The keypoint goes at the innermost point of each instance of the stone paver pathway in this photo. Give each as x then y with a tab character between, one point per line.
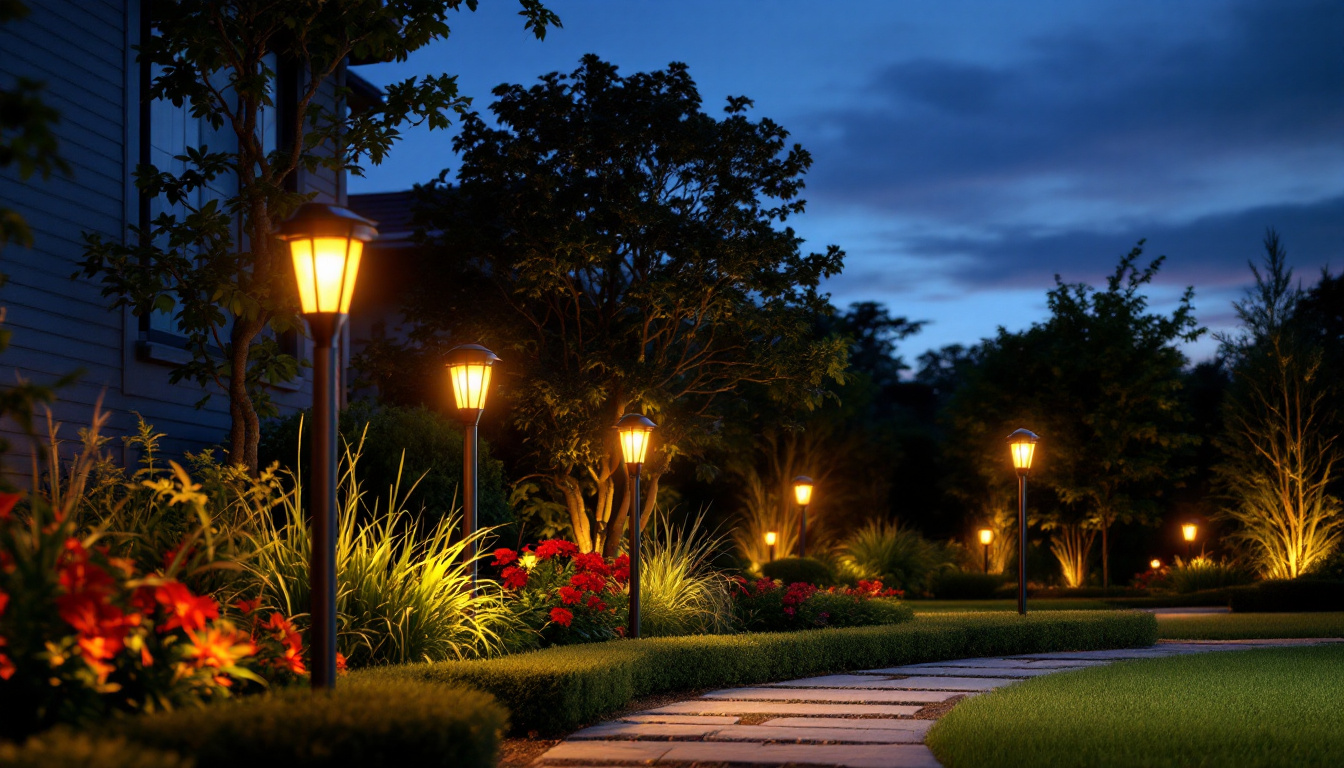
869	719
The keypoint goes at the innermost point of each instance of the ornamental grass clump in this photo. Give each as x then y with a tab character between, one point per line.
896	555
402	583
681	591
1204	573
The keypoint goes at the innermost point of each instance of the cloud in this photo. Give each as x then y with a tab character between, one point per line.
1103	126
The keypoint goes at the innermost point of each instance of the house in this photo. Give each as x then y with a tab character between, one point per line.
84	52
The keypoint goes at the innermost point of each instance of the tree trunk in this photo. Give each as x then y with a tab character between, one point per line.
611	545
1105	553
578	515
245	426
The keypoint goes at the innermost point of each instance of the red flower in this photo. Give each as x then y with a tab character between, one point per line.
281	629
218	647
595	603
7	502
340	663
4	603
514	577
185	610
561	616
570	595
552	547
6	667
591	582
620	569
591	562
505	556
77	574
246	607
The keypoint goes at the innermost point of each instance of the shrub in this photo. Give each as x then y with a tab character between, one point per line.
965	585
366	721
559	689
1330	568
402	582
792	570
77	750
680	590
401	444
84	633
896	555
1202	573
563	596
1288	596
766	606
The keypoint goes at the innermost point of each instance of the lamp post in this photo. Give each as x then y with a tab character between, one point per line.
802	493
770	538
1155	564
986	536
634	430
1188	532
469	369
325	245
1022	446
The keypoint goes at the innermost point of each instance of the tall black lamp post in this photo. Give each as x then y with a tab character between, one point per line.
469	368
802	493
1022	445
635	430
325	243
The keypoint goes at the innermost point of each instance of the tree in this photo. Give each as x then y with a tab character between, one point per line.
1100	380
621	249
1280	450
231	289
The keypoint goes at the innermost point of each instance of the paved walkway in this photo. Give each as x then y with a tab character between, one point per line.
871	719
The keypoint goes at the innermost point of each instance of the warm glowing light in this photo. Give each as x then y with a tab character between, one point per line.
1022	446
469	368
326	244
528	561
1155	564
1189	530
802	490
986	536
771	537
634	430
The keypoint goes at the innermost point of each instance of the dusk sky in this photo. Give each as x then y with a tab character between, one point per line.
965	152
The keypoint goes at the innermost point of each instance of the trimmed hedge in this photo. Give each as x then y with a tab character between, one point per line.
65	749
965	585
365	722
1288	596
793	570
559	689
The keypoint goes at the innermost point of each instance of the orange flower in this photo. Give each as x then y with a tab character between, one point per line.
246	607
6	667
7	502
218	647
185	610
281	629
340	663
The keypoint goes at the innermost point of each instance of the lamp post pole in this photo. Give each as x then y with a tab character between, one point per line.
326	244
634	431
802	493
1022	447
986	558
469	367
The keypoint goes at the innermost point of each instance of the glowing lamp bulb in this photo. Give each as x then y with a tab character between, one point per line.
469	369
635	430
986	536
1022	447
1189	531
802	490
1155	564
326	244
770	538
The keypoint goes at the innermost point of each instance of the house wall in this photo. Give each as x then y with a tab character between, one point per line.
82	50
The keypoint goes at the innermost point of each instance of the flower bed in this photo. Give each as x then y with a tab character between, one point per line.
765	605
558	689
566	596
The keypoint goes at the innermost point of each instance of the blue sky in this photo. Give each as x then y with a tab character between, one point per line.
966	152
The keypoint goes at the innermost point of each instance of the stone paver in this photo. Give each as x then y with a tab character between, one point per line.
703	707
851	695
859	720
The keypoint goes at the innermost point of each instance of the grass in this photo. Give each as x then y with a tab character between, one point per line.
1241	626
1278	707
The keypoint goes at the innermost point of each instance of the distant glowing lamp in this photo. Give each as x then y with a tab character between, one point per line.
771	537
1022	447
634	431
986	536
1155	564
802	490
1189	531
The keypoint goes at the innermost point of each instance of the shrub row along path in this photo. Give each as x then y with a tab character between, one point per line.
871	719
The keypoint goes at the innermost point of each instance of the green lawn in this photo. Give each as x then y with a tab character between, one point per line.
1240	626
1279	707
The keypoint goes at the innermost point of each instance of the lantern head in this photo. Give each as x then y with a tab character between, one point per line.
469	369
1022	445
634	430
1189	531
1155	564
770	538
986	536
326	243
802	490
